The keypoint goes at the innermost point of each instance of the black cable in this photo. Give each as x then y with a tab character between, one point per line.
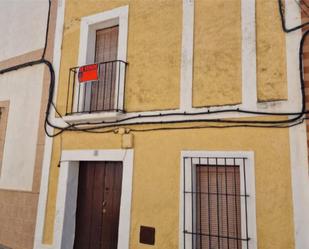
113	124
202	127
47	29
284	27
252	123
117	123
38	62
299	114
301	7
212	126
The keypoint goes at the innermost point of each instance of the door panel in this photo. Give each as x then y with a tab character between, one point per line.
98	205
84	203
97	199
103	90
112	193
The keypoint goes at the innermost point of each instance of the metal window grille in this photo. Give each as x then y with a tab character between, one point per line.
215	203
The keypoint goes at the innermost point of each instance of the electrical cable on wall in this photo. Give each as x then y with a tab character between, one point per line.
284	27
95	127
107	124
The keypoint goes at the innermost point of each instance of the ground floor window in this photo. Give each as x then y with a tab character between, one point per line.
215	203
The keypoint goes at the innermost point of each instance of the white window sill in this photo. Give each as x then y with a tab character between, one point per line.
91	117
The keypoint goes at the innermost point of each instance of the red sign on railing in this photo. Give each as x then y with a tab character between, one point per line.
88	73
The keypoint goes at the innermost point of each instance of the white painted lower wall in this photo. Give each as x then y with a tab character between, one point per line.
297	134
23	88
300	185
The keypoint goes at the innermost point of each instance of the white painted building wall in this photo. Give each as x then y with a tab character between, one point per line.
22	26
22	29
23	88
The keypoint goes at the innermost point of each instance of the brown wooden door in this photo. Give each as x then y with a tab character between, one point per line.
98	205
103	91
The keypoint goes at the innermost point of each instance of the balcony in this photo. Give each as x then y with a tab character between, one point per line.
96	88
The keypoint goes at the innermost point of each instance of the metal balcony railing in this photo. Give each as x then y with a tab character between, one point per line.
103	91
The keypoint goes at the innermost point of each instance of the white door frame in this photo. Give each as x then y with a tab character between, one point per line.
64	230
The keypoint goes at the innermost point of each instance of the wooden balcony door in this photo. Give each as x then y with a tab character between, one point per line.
103	90
98	205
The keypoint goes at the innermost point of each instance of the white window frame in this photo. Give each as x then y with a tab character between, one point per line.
88	27
250	189
64	230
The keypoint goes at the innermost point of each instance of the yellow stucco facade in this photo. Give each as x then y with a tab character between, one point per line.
154	45
155	199
271	74
217	53
153	83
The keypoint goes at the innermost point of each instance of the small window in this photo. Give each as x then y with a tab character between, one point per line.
4	108
217	209
215	204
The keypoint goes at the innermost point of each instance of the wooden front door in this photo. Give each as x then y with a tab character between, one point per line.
98	205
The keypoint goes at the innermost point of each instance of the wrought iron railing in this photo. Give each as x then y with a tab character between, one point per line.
103	91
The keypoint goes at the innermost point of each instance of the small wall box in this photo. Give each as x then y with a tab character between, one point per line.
147	235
